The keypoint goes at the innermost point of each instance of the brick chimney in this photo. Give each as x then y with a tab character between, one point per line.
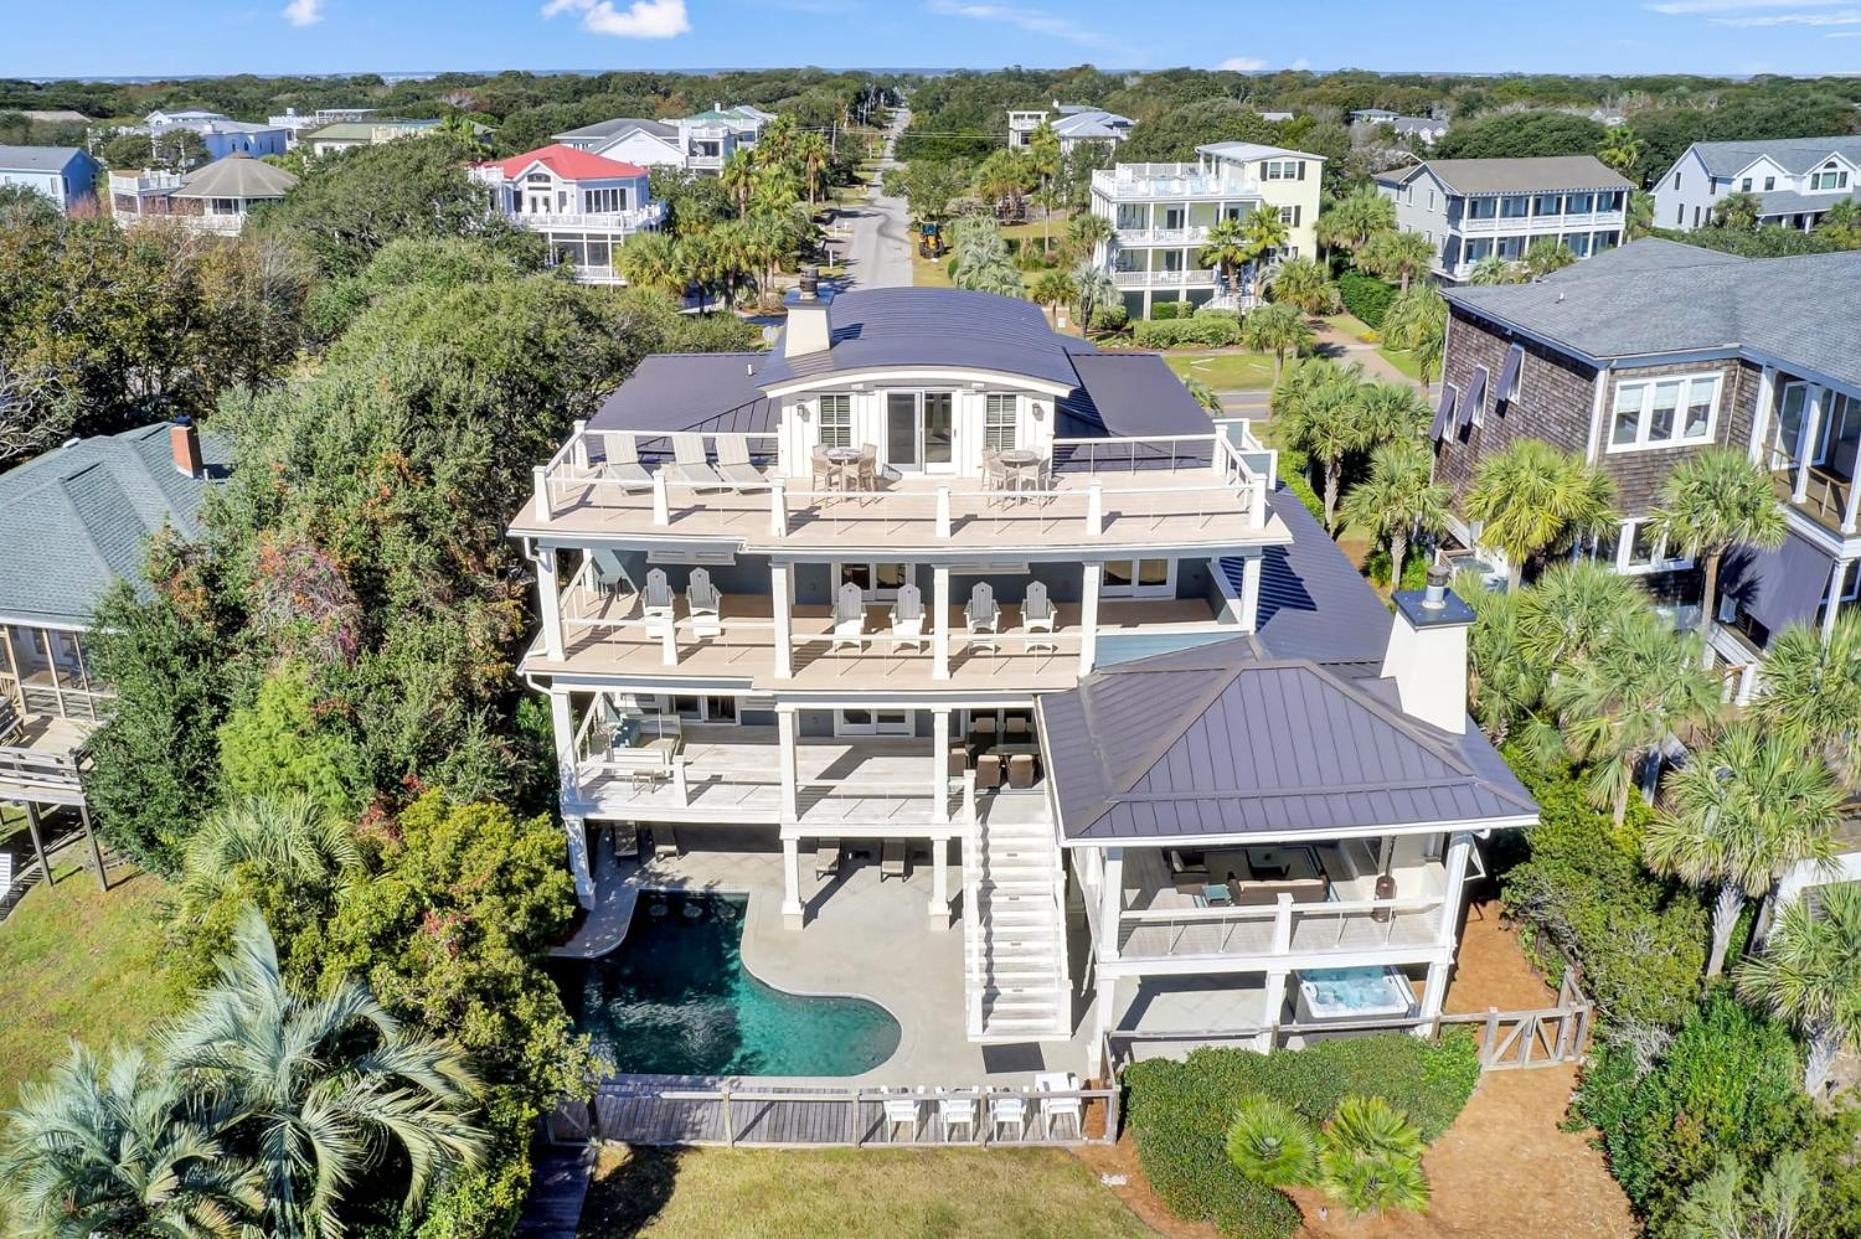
184	443
1427	653
807	330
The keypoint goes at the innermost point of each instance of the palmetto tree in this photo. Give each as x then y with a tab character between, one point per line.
1531	496
1265	233
1620	704
1815	685
1810	974
1391	412
292	841
1322	406
1573	610
738	177
1547	256
982	261
1397	255
1504	685
1277	329
1738	211
733	255
1417	322
122	1151
1052	289
1493	269
1370	1158
1638	220
1093	289
1714	501
651	260
1353	219
1227	249
1303	282
1043	154
1621	149
1743	812
1841	224
1399	500
322	1088
1084	233
1272	1144
813	154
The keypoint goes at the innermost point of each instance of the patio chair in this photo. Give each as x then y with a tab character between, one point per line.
957	1112
894	860
901	1112
701	595
623	461
1021	771
908	619
733	463
822	473
983	617
689	463
1008	1112
1037	616
982	731
869	466
1052	1108
994	472
826	858
1018	728
988	772
959	760
849	617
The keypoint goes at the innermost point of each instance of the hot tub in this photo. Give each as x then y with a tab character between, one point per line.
1340	995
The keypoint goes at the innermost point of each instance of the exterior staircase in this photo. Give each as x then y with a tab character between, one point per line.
1014	929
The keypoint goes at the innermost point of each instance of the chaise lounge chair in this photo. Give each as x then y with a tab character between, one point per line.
827	853
733	464
689	463
894	860
623	461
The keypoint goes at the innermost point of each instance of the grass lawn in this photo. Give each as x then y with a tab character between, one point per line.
928	272
851	1192
78	962
1236	371
1403	360
1347	323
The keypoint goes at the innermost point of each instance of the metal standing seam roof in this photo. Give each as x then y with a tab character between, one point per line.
1244	151
1793	155
236	176
37	158
1313	603
1803	310
705	392
1128	394
1222	740
1547	174
78	516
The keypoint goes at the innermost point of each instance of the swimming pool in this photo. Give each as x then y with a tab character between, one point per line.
1353	993
675	999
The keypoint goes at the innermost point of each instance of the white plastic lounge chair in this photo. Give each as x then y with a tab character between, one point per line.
826	858
1008	1112
623	461
1052	1108
849	617
733	463
908	619
957	1112
1037	616
893	860
901	1112
982	617
689	464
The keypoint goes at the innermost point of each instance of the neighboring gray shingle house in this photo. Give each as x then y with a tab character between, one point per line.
1471	209
1073	124
65	174
1796	180
1643	357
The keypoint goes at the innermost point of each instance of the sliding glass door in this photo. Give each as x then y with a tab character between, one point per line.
920	431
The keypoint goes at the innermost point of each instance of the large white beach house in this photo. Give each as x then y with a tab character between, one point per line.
929	591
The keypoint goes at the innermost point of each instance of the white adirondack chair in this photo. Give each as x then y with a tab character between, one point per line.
849	617
656	604
705	603
982	617
689	464
908	619
1037	617
623	461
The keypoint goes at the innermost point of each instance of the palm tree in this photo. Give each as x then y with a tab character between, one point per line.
1416	321
1043	150
1399	500
733	253
1004	176
1266	234
1321	404
1278	329
1815	685
322	1088
1744	812
1093	289
982	261
1504	684
1303	282
1493	269
1810	975
1371	1158
1530	496
1397	255
1547	256
1714	501
292	841
1841	224
1638	220
1205	395
1572	610
1619	706
765	241
1353	219
738	177
1621	149
125	1151
1272	1144
1737	211
1391	412
1052	289
811	150
1084	233
651	260
1228	248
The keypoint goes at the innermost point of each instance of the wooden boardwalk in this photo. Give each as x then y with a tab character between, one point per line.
558	1189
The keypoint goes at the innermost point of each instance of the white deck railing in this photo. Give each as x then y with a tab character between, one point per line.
1280	929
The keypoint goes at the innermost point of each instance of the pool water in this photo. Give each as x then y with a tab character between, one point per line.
1353	989
675	999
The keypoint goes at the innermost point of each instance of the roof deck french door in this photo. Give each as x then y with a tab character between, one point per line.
920	431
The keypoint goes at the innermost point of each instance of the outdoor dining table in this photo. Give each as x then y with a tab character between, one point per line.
1023	464
845	461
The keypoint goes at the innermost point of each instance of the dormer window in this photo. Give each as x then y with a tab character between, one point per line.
1830	177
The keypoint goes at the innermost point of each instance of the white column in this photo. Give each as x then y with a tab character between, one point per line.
549	602
787	725
1111	903
1832	603
1102	1014
579	864
940	765
1274	1004
1760	423
940	622
562	722
940	884
1806	443
781	600
1094	576
791	882
1454	889
1434	993
1251	568
1854	506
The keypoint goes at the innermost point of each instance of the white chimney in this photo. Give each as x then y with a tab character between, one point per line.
807	331
1427	654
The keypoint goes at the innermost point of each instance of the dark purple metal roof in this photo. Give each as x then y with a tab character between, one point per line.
1224	740
1313	603
705	392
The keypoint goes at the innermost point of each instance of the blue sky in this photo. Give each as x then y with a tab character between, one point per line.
136	37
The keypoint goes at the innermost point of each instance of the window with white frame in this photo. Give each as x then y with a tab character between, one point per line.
1139	578
837	420
880	580
1289	215
1642	548
605	200
1830	177
1666	412
1283	170
1744	186
1000	419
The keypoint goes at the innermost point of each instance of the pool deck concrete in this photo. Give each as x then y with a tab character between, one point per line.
861	937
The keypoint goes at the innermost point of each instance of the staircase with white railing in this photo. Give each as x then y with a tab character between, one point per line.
1014	929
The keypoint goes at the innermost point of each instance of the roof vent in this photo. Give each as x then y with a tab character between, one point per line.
70	443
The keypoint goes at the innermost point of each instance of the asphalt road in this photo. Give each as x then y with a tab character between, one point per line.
878	252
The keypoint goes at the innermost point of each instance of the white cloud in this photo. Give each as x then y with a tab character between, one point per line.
1679	7
304	12
1242	64
643	19
1035	21
1847	17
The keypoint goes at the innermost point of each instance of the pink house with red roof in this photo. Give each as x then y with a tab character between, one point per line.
584	204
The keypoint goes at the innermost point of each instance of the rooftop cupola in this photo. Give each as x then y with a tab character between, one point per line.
807	305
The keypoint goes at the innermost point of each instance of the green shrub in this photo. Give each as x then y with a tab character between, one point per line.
1366	297
1730	1080
1295	473
1112	316
1167	311
1641	941
1209	331
1180	1113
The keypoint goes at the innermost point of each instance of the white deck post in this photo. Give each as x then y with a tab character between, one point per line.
1257	508
940	884
662	502
778	509
1454	889
1760	424
549	603
791	882
1105	999
562	722
668	642
1434	993
1095	508
940	766
787	724
541	490
1251	568
1282	924
1111	902
1832	604
579	863
1270	1015
940	626
943	511
1806	444
1089	616
781	598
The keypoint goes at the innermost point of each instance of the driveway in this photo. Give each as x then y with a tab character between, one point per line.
878	251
